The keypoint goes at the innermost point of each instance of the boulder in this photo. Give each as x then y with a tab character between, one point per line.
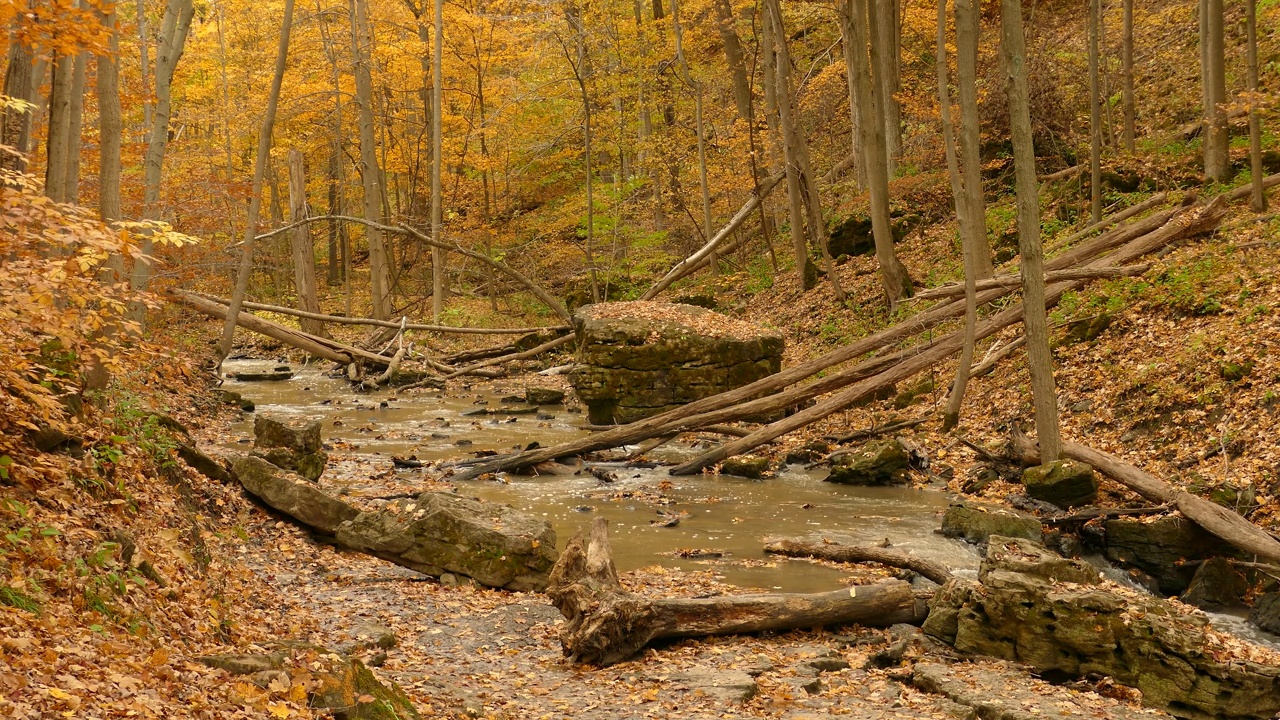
881	462
348	688
1002	691
1031	558
1160	548
291	494
543	396
366	636
747	466
204	464
1168	652
1065	483
231	397
723	685
1217	583
975	522
636	359
292	446
440	532
1266	613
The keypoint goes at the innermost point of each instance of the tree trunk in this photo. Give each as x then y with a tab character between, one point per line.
439	285
75	126
379	269
144	61
1039	356
1130	106
15	124
109	126
970	243
1258	198
607	624
173	39
893	275
1095	115
885	28
255	197
836	552
58	142
339	242
304	252
733	58
968	29
1217	137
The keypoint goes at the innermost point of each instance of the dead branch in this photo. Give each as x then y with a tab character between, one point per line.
1085	516
876	431
1013	280
1114	219
837	552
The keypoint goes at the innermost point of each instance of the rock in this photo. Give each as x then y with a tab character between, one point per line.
1085	330
702	301
1217	583
1076	630
203	464
976	522
1065	483
809	452
880	462
366	636
1031	558
267	678
1266	613
852	236
1006	693
351	690
244	664
747	466
723	685
1160	547
292	495
441	532
543	396
51	439
640	358
290	446
232	397
264	376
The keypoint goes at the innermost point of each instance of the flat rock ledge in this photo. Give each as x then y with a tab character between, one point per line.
637	359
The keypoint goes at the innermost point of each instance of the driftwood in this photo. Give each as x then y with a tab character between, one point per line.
934	571
1014	280
523	355
607	624
1214	518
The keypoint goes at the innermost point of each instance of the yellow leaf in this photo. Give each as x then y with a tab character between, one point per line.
60	694
279	710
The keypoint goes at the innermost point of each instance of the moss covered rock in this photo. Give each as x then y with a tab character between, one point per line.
882	462
292	446
976	522
1065	483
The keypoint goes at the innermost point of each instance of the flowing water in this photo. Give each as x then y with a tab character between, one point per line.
723	518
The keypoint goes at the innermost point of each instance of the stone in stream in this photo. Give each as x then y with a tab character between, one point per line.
1161	547
976	522
1065	483
1165	650
1217	583
264	375
291	494
637	359
289	445
441	532
1266	613
881	462
543	396
747	466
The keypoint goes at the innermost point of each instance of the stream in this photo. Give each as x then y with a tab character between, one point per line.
722	518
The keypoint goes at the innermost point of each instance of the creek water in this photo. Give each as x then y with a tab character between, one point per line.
723	520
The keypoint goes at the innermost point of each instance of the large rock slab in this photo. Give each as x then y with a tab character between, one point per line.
1166	650
1266	613
636	359
1065	483
440	532
291	494
975	522
294	446
1160	547
997	691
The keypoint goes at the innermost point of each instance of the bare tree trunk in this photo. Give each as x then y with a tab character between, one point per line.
255	198
733	57
1095	116
75	125
968	28
968	243
1130	107
1217	136
145	61
699	131
884	28
379	270
109	128
58	142
304	252
226	95
15	123
1258	198
578	62
893	276
173	39
1039	355
339	242
438	285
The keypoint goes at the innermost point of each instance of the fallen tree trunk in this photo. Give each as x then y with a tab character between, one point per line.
261	326
607	624
1151	202
1013	280
994	357
532	352
836	552
1214	518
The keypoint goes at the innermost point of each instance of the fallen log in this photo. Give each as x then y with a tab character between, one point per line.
344	320
1214	518
837	552
874	431
262	326
1014	280
1114	219
994	357
607	624
524	355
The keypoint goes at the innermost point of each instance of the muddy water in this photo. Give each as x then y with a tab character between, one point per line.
724	517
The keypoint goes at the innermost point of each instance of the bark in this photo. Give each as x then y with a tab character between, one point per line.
144	60
1039	356
1129	102
937	572
1258	199
265	327
71	182
438	281
304	252
607	624
1095	115
109	128
733	58
1217	137
968	31
1153	201
884	34
379	268
15	124
255	198
174	27
854	30
1219	521
58	141
1015	280
699	132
